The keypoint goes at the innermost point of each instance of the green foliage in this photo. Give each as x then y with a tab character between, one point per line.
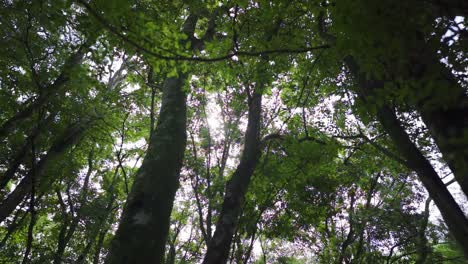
325	185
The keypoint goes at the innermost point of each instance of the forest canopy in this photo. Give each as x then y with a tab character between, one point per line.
233	131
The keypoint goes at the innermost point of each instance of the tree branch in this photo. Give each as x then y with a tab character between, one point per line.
147	51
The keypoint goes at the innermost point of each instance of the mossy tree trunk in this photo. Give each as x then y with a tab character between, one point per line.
144	225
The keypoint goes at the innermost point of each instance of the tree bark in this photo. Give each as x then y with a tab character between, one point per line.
144	226
236	187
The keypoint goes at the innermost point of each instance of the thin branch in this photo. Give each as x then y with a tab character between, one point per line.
380	148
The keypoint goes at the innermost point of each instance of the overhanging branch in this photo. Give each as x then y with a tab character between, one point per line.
147	51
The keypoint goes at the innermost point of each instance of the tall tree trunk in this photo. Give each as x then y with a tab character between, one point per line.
451	212
445	112
236	187
144	225
195	181
449	128
444	109
70	137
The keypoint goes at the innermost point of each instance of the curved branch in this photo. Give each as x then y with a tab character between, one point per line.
147	51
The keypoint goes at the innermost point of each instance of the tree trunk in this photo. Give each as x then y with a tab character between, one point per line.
449	128
451	212
144	225
32	209
445	112
236	187
70	137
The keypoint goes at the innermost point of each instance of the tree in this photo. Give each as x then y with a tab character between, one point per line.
233	131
